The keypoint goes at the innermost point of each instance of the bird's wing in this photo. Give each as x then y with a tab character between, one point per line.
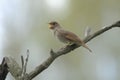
74	38
71	36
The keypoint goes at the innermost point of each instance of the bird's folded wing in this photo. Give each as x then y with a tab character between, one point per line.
72	37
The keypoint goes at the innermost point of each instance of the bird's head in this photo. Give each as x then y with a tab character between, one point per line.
53	25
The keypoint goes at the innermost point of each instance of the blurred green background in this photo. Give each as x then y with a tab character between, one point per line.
24	25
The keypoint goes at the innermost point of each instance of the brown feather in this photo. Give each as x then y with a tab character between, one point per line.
75	39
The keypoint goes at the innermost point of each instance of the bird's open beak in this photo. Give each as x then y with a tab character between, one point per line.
50	26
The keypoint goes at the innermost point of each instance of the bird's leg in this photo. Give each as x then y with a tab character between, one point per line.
70	43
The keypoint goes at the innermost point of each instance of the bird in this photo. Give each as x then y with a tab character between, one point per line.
66	36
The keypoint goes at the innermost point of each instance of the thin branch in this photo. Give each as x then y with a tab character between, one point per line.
22	61
87	31
97	33
65	50
26	61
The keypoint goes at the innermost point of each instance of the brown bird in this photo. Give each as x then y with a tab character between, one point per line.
66	36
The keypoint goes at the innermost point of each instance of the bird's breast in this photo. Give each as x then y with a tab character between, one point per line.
60	36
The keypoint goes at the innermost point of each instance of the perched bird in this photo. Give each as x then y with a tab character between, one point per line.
66	36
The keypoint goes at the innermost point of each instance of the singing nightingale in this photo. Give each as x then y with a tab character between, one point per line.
66	36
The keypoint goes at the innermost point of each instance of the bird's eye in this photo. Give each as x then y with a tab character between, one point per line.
54	23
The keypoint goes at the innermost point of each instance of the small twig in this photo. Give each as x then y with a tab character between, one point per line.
22	61
26	61
52	53
87	31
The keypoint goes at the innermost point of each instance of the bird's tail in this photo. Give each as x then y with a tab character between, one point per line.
85	46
